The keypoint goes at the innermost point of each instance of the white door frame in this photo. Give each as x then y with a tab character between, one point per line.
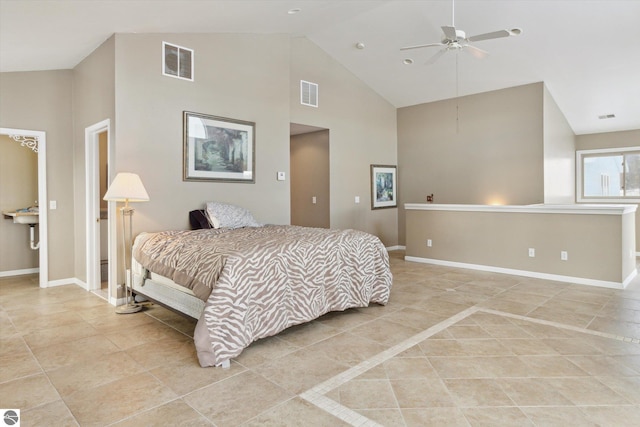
42	198
92	206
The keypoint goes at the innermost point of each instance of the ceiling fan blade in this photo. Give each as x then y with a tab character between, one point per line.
450	33
421	46
478	53
493	35
435	57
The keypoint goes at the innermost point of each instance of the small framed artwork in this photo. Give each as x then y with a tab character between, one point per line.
383	187
218	149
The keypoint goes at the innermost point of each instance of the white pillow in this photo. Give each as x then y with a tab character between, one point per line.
223	215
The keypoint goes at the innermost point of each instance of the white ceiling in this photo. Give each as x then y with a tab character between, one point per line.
587	52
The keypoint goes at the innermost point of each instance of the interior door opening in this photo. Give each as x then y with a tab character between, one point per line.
310	176
98	227
35	142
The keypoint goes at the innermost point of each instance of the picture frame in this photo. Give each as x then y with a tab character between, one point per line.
218	149
384	189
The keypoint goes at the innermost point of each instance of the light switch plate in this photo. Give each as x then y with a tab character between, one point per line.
281	176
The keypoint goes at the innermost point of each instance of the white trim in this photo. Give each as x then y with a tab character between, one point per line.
579	197
43	201
22	272
193	69
310	87
92	201
534	274
396	248
581	209
117	301
69	281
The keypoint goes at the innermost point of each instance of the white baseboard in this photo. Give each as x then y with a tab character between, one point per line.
534	274
396	248
19	272
117	301
70	281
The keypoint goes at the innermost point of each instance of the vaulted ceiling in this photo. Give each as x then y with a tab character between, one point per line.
586	52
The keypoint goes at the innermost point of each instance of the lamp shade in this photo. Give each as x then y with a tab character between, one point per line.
126	187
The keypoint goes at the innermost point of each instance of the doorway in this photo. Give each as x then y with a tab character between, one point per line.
310	176
38	140
98	226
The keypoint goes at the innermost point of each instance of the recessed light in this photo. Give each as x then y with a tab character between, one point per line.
408	61
294	11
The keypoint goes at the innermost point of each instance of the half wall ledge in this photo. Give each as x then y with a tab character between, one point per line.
584	244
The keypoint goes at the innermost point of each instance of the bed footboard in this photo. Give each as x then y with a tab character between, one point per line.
168	297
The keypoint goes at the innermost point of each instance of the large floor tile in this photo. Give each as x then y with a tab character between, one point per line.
118	400
525	352
301	370
88	374
28	392
183	376
237	399
174	413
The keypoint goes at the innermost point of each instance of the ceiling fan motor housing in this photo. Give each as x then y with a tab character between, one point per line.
457	43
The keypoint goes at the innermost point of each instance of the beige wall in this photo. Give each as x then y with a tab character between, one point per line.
362	126
310	178
502	240
622	139
18	189
559	155
93	102
41	101
244	77
247	77
492	153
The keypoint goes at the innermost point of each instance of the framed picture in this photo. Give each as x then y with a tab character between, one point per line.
383	186
218	149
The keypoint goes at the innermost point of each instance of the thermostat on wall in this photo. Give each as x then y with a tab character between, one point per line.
281	176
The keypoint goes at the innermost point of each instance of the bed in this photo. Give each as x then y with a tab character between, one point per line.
250	282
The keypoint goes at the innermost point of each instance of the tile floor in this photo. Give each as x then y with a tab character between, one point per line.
453	347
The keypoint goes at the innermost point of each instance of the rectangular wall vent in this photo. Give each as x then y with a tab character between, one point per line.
308	93
607	116
177	61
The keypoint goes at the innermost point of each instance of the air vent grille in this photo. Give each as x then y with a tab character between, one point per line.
177	61
607	116
308	93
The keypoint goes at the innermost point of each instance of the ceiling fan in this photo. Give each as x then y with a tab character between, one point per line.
454	40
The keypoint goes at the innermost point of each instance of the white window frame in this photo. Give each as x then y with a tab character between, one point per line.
580	155
164	44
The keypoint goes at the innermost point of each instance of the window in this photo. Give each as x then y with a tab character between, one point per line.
608	175
177	61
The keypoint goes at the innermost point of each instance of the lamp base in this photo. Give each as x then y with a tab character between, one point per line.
128	308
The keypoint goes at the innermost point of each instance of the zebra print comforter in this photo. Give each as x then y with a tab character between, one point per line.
274	277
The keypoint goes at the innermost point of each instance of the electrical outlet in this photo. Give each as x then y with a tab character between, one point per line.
564	256
357	199
429	243
532	252
314	200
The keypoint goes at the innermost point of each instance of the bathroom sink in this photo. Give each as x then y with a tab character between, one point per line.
23	217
